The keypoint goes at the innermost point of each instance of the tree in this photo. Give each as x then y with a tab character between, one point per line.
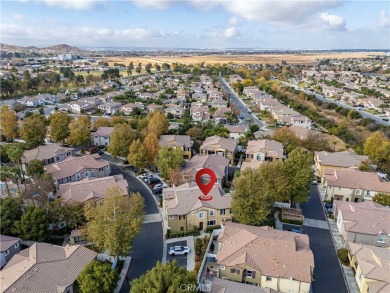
382	198
80	131
169	159
151	147
166	277
102	122
71	213
15	154
59	126
256	190
176	177
10	212
254	128
315	142
366	166
33	130
137	154
157	123
121	138
35	168
148	68
40	188
98	275
138	68
287	137
113	226
32	224
5	175
300	172
9	123
195	133
377	147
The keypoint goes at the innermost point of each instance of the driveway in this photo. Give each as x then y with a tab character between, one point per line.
327	272
181	259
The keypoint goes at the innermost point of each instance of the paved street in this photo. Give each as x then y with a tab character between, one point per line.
181	259
327	272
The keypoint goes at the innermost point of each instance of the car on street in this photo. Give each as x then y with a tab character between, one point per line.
160	185
241	117
145	175
385	119
100	153
157	190
314	182
152	182
249	111
179	250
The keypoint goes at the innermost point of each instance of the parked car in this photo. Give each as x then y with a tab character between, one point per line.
241	117
179	250
157	190
145	175
314	182
100	152
385	119
329	208
153	181
160	185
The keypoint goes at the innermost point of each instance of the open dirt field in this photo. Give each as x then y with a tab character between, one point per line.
239	59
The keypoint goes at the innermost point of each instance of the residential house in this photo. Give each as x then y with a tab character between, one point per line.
371	267
338	160
101	136
265	257
184	210
226	286
236	131
91	189
47	154
353	185
154	107
199	113
110	107
372	103
363	222
9	246
176	110
128	108
221	146
79	107
259	151
76	168
44	267
77	236
182	142
218	164
302	132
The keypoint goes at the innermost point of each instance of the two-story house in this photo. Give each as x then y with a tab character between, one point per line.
101	136
182	142
218	164
76	168
47	154
110	107
221	146
353	185
236	131
184	210
260	151
8	247
363	222
265	257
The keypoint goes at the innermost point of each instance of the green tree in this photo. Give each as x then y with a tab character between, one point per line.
164	278
35	168
169	159
59	126
33	130
80	131
377	147
366	166
72	213
382	198
113	226
254	128
316	142
9	123
300	172
121	138
98	275
5	175
148	67
195	133
32	224
102	122
285	136
10	212
15	154
137	154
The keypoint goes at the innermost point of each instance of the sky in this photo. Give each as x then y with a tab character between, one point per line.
268	24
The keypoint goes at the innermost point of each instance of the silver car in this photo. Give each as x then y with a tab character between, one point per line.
179	250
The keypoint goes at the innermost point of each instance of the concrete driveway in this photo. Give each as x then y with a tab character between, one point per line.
181	259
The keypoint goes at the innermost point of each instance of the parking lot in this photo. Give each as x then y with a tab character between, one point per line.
181	259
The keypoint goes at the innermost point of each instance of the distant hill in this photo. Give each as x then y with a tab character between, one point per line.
60	48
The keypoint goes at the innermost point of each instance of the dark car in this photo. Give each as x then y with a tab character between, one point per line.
153	181
157	191
100	152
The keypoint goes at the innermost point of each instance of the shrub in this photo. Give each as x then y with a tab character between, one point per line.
211	228
342	253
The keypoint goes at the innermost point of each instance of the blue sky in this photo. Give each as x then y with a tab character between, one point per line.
290	24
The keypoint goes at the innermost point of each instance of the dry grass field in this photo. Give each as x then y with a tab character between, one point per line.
306	59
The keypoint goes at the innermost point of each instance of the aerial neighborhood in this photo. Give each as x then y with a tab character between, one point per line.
99	163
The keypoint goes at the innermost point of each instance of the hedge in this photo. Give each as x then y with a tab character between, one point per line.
211	228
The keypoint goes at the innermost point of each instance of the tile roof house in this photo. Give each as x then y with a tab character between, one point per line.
371	267
200	113
128	108
265	257
76	168
47	154
226	286
177	141
8	247
45	267
219	145
101	136
363	222
259	151
302	132
218	164
110	107
184	210
337	160
236	131
353	185
91	188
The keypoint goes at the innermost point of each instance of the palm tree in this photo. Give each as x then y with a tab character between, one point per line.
4	176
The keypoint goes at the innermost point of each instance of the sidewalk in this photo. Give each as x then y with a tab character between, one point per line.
123	275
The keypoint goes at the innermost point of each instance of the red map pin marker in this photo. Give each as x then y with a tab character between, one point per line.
205	188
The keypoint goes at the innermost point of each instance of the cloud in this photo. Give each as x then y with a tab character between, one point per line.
230	32
233	20
153	4
384	19
332	22
17	16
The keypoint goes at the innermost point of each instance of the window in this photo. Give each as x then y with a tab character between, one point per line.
268	278
78	176
229	153
211	213
58	158
16	245
222	268
381	238
201	215
171	217
222	212
250	274
358	191
211	223
235	271
6	252
184	217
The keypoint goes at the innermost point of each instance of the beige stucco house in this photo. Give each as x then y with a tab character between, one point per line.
221	146
259	151
177	141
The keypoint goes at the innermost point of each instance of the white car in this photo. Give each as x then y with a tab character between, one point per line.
146	175
179	250
160	185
